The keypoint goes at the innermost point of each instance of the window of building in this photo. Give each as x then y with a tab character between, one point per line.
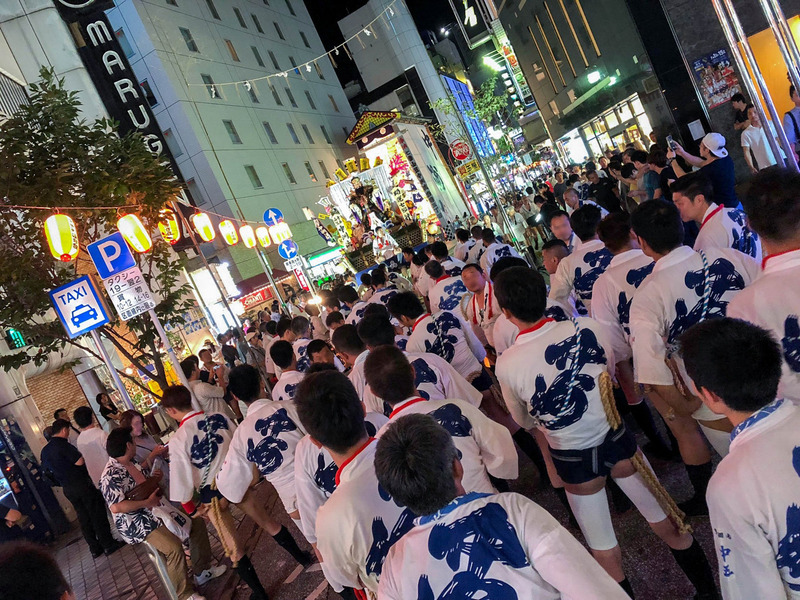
346	133
275	95
239	17
274	60
333	103
124	43
324	169
289	175
253	175
148	92
194	191
291	8
212	9
310	100
310	171
172	2
266	2
308	133
232	133
293	133
294	64
291	97
325	135
252	92
305	40
187	37
278	30
320	74
212	89
232	50
270	133
257	55
257	23
172	143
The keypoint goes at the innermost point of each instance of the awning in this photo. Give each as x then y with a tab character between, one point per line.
261	280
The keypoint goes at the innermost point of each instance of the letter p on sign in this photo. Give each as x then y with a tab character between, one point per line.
111	255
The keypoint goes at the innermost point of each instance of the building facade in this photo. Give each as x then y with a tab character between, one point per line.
244	141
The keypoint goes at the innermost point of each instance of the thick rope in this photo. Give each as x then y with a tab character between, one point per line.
666	502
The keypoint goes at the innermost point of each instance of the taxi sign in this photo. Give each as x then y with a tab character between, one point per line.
79	307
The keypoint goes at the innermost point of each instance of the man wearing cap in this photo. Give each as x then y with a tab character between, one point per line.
714	163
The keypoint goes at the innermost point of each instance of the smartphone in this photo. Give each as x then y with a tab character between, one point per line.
670	142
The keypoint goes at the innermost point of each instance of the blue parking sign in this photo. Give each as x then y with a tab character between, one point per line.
79	307
287	249
111	255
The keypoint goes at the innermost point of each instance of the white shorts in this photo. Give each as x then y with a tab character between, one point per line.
288	495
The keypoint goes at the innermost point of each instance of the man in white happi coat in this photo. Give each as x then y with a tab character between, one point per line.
552	378
772	301
284	357
452	266
383	289
577	273
494	250
485	447
360	521
471	544
349	297
684	288
480	308
720	227
476	252
753	495
463	246
561	227
447	291
284	332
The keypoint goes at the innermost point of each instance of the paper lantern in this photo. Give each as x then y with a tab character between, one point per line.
262	233
134	233
279	233
168	226
62	237
248	236
203	226
228	231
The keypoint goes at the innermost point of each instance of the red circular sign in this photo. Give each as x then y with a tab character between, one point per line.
460	149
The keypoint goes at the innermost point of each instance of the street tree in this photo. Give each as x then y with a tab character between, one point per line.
50	156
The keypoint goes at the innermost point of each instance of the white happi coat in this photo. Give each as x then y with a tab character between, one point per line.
356	313
434	378
196	453
266	438
476	253
577	273
446	294
315	476
483	314
773	302
382	295
424	283
445	335
462	249
671	300
493	253
535	375
287	384
499	547
484	447
723	227
452	266
754	508
358	525
505	332
400	282
612	295
304	360
208	397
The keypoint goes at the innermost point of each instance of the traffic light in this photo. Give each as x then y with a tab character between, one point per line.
14	339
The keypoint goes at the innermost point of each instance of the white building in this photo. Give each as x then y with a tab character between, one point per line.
241	148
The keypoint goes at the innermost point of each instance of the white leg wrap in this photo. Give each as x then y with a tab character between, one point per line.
720	440
594	518
636	489
299	524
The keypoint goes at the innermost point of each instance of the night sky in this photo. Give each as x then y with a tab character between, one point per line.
428	14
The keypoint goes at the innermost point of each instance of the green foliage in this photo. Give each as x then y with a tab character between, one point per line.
50	156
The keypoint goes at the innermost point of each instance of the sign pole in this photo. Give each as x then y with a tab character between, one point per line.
165	340
123	391
268	270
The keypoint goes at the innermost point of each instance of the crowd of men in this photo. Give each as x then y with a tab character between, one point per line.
389	419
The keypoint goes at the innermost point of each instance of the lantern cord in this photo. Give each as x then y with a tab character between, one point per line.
56	209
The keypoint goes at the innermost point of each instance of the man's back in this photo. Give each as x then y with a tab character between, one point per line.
59	456
753	504
445	335
358	525
578	272
500	547
92	445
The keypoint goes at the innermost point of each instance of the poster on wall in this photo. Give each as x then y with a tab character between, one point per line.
716	78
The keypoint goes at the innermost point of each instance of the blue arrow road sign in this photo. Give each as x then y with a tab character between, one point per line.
272	216
287	249
111	255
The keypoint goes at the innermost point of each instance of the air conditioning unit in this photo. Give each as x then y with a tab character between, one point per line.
651	84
